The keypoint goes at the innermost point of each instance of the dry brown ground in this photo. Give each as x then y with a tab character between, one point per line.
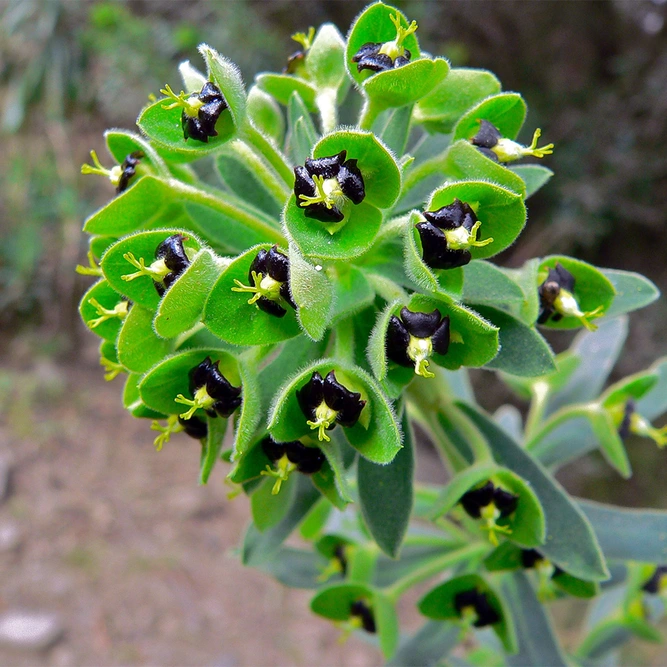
119	541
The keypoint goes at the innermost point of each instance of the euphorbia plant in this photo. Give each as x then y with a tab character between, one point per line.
307	293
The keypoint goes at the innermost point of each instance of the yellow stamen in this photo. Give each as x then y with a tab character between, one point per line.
306	40
156	271
172	426
462	239
119	310
190	103
112	369
395	48
324	417
201	400
93	268
284	467
641	426
112	174
567	305
490	514
265	286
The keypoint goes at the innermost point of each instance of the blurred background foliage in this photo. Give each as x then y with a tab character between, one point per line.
593	74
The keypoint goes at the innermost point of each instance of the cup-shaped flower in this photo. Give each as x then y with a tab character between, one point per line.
448	234
324	185
490	503
269	282
286	457
211	392
412	339
557	299
657	584
361	615
382	56
194	427
491	143
631	422
200	110
325	402
474	608
295	62
170	262
120	174
337	551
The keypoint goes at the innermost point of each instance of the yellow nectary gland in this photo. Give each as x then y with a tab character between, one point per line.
395	48
328	192
201	400
264	286
567	305
462	239
508	150
324	418
419	350
283	468
490	514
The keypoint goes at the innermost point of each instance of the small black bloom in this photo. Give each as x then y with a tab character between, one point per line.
490	503
491	143
557	299
194	427
269	282
200	110
289	456
383	56
473	602
324	184
626	423
632	422
364	613
415	336
448	234
128	170
326	402
211	391
532	558
296	62
658	581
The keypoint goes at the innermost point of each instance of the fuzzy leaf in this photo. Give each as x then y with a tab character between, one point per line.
352	292
269	510
633	291
139	347
654	404
325	60
506	111
394	129
428	646
484	283
215	439
266	115
533	175
283	86
121	143
302	134
108	298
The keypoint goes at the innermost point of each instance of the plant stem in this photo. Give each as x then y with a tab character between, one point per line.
273	156
560	417
263	173
369	114
538	405
251	221
344	340
435	567
475	440
326	105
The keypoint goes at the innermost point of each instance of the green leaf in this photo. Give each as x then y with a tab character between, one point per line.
227	76
108	298
132	209
506	111
453	96
566	363
428	646
375	436
229	316
654	403
302	134
121	143
526	278
182	304
294	568
313	293
485	283
570	542
266	115
283	86
381	487
268	509
463	161
259	548
536	638
349	238
633	291
534	176
215	439
439	604
382	177
591	288
139	347
474	342
522	350
142	245
376	351
387	623
352	292
334	601
461	483
325	60
331	479
395	128
634	386
250	413
132	401
501	212
169	377
628	534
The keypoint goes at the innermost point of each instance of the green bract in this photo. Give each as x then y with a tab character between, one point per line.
308	294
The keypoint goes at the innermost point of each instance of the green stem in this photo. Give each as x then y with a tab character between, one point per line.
432	166
540	397
362	562
435	567
273	156
267	176
560	417
251	221
475	440
386	288
369	113
344	340
326	105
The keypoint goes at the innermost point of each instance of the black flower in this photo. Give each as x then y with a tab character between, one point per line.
557	299
269	282
211	391
415	336
170	262
296	62
475	605
307	460
361	611
633	422
194	427
326	402
200	110
382	56
448	234
324	184
128	170
490	503
491	143
658	581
